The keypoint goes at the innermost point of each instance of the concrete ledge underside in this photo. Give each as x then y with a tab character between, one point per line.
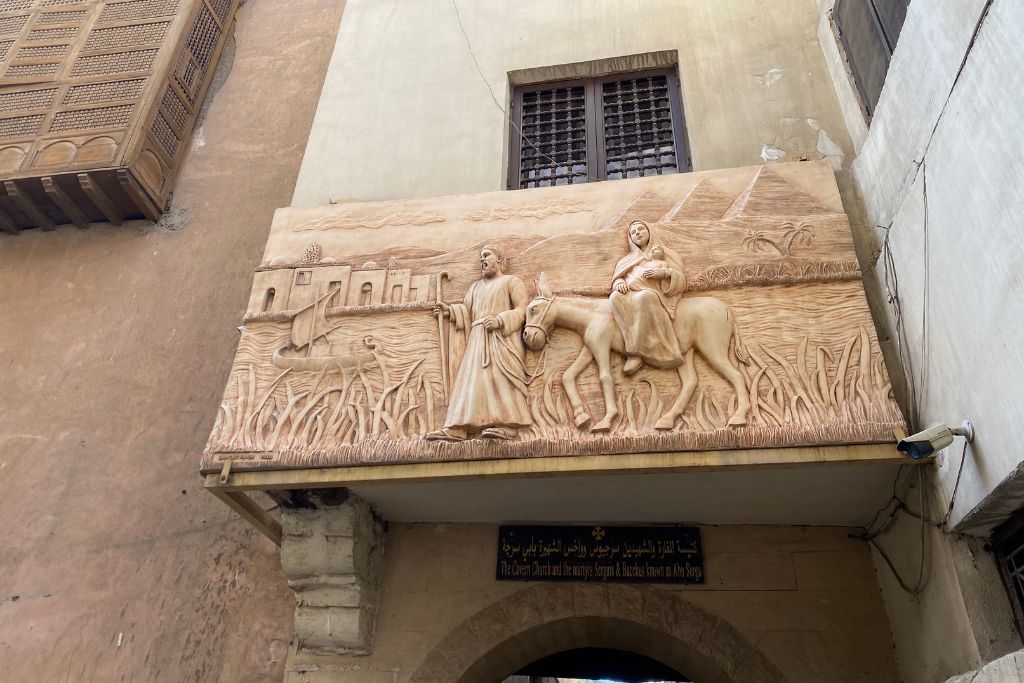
834	485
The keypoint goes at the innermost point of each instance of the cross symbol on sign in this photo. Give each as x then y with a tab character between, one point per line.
598	533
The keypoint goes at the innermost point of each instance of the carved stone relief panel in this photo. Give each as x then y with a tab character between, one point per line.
701	311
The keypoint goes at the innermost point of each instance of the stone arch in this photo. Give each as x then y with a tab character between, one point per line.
549	618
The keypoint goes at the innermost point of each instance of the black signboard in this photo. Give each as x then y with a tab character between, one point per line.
630	554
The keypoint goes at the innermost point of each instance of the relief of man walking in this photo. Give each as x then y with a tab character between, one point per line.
488	397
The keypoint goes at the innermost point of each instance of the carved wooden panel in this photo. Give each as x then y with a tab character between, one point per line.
699	311
97	101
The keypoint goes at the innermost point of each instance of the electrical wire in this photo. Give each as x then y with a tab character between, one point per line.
956	485
922	581
870	536
494	98
891	283
925	346
870	532
885	254
870	525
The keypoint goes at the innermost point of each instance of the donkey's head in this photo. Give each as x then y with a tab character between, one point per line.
539	318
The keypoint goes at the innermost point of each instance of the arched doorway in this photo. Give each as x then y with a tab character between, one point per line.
548	619
597	664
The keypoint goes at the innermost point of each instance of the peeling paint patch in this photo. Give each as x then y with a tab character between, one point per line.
175	219
803	139
772	154
827	147
769	77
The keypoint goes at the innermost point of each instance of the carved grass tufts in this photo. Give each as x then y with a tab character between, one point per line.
331	413
818	396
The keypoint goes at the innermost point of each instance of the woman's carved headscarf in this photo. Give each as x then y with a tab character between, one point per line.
637	255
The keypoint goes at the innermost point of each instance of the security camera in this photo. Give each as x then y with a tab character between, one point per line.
935	438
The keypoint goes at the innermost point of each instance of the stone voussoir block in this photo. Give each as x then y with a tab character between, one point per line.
491	626
556	601
627	601
590	599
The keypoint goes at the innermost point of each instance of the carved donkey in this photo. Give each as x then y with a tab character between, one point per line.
701	323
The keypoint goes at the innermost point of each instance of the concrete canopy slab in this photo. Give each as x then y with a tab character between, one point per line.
843	486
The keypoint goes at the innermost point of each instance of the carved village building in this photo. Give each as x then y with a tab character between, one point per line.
514	341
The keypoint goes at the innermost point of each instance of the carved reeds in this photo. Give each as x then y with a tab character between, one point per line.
817	396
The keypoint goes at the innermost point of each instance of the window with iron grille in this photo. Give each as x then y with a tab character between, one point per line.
1008	542
869	30
621	126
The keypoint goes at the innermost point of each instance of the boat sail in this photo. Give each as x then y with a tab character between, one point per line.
309	325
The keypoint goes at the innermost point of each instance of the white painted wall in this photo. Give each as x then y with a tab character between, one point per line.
404	113
961	276
961	272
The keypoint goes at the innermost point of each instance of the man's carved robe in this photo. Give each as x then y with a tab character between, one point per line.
490	385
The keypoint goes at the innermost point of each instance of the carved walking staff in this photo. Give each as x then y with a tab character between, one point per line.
442	333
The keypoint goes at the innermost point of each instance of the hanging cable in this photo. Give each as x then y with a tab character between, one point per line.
885	253
956	485
494	98
920	584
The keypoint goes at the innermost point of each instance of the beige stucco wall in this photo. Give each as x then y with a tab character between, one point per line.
404	112
115	343
807	597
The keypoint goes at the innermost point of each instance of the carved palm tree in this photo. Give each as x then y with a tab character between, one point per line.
794	236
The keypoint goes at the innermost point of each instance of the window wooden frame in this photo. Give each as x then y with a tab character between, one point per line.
862	48
597	165
1006	539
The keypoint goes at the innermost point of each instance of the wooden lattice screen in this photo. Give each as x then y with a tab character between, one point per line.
618	126
638	127
97	103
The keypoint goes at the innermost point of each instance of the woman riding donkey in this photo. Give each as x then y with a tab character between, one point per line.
646	286
647	320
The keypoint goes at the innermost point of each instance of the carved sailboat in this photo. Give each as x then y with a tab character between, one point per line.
309	326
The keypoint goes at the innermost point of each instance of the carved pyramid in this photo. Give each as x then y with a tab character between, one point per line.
648	206
704	202
769	195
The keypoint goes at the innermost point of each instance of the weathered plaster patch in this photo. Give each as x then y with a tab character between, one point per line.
772	154
803	140
175	219
769	77
827	147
